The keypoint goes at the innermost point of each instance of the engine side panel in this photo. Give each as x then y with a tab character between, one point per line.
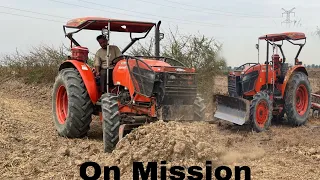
261	80
249	81
121	76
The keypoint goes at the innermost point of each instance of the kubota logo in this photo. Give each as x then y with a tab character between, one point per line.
180	70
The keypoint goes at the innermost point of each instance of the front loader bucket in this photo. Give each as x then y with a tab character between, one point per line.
235	110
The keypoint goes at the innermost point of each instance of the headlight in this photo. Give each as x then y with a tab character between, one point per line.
151	75
172	77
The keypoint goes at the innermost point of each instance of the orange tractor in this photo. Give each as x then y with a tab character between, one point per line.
139	89
259	93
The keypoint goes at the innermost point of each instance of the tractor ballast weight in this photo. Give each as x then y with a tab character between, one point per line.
140	89
259	93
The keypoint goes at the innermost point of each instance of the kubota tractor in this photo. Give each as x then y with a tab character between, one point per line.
259	93
139	89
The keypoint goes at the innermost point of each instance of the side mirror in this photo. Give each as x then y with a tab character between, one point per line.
257	46
161	36
105	32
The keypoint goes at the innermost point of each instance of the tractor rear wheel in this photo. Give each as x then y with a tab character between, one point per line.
71	104
110	121
298	99
261	112
199	107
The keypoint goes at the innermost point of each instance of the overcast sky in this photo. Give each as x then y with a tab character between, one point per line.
235	23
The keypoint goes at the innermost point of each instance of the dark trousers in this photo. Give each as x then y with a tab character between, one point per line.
103	80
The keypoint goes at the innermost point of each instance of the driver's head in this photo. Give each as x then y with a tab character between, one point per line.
102	41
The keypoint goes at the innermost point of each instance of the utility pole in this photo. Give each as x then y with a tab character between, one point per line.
288	12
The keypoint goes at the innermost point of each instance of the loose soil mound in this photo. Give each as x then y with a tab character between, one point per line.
182	144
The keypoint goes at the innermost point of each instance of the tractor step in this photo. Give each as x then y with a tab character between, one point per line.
315	106
277	97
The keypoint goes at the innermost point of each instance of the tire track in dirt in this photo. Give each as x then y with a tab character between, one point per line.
30	146
31	149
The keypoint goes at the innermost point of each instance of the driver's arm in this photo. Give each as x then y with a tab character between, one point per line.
118	52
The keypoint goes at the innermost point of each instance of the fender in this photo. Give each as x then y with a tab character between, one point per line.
296	68
86	75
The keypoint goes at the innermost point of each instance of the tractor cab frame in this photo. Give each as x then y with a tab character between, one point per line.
106	26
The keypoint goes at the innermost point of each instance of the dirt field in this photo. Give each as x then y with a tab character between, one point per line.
31	149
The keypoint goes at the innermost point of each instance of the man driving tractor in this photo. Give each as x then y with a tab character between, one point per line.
100	60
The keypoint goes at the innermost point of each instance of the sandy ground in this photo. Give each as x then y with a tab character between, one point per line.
31	149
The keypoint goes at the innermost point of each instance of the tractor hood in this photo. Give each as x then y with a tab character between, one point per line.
162	66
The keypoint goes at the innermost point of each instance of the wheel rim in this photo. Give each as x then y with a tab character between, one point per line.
262	113
62	104
301	100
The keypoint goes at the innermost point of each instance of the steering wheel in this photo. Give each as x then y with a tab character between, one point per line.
115	60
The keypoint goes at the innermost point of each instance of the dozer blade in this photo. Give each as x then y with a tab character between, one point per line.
235	110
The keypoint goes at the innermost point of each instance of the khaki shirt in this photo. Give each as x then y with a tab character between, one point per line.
101	56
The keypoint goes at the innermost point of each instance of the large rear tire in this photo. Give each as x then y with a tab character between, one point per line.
298	99
111	121
71	105
261	112
199	109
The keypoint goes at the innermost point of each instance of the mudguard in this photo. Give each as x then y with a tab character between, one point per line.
87	77
295	68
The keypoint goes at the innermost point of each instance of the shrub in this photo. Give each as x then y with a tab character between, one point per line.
196	51
40	65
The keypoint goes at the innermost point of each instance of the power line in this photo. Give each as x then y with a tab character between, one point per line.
200	23
89	2
225	13
31	17
20	15
33	12
70	18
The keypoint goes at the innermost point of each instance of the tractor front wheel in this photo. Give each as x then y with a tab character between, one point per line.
298	99
110	121
199	109
261	112
71	105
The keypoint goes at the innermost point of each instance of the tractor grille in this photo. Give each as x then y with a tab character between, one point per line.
234	85
180	79
179	87
180	84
